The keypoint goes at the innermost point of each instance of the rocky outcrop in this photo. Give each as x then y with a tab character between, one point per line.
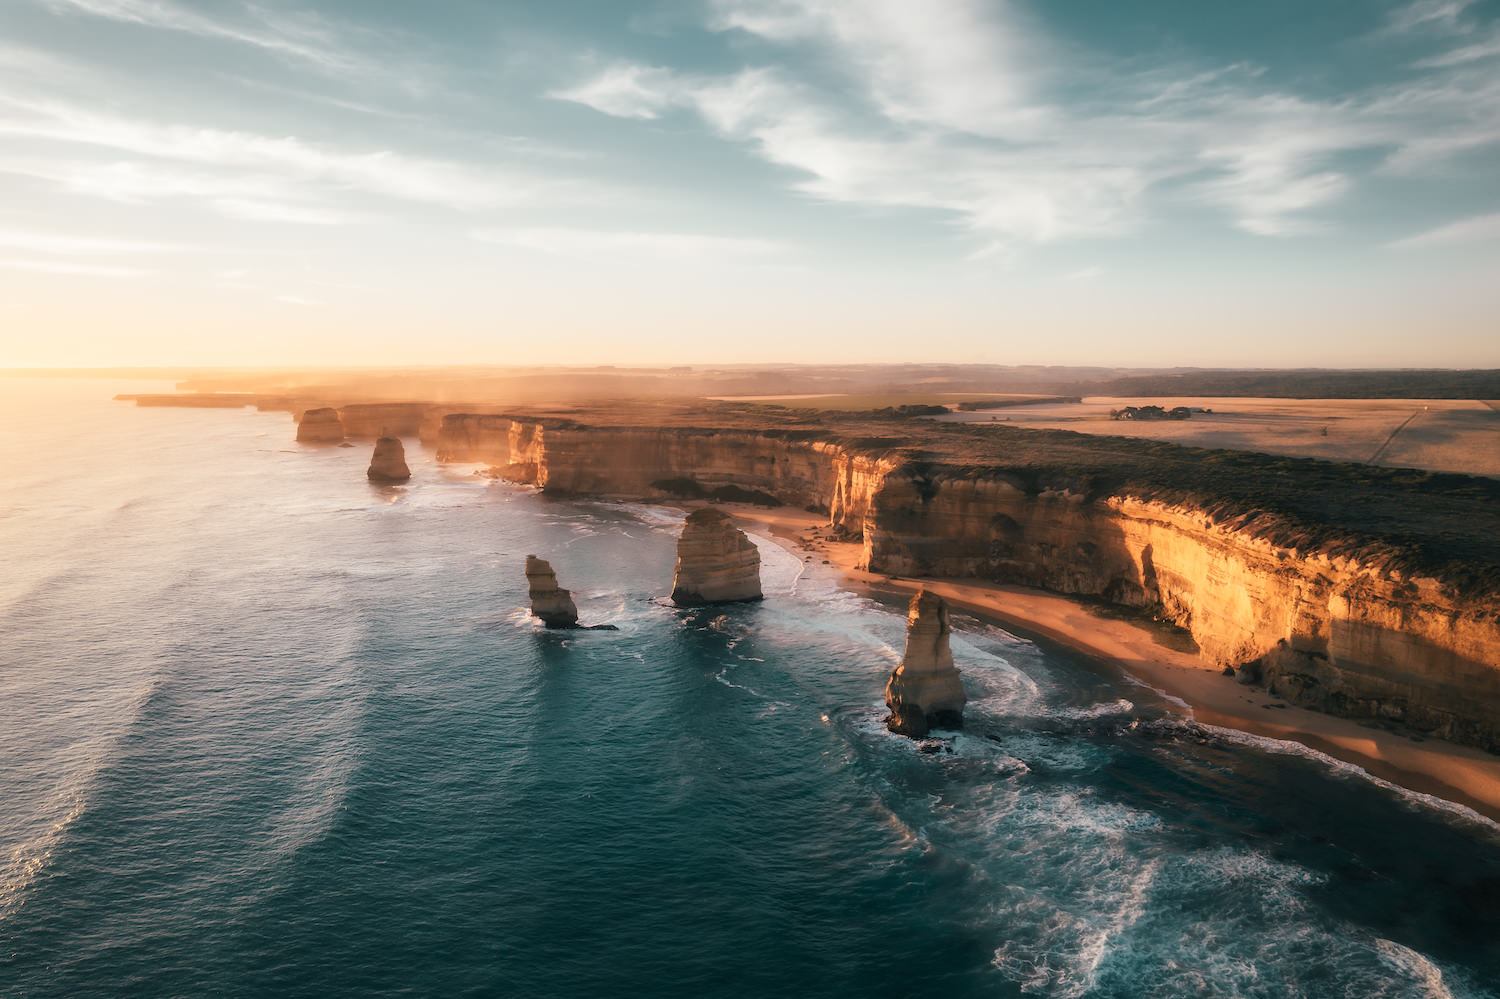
549	602
716	562
925	691
388	463
320	426
1335	626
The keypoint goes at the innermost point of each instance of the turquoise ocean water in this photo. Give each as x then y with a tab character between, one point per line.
267	730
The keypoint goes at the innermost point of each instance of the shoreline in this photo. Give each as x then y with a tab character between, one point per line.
1147	655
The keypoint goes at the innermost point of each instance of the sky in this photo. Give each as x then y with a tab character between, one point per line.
1160	182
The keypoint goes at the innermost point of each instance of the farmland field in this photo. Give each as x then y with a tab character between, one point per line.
1448	435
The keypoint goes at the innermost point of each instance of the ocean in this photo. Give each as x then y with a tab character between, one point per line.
269	730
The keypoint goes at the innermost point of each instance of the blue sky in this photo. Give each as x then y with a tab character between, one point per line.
1070	181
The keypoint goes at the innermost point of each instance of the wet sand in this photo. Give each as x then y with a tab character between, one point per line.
1162	659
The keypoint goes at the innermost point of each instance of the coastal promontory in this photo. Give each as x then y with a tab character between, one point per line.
925	690
716	562
388	463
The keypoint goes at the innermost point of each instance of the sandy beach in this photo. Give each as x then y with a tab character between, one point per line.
1163	660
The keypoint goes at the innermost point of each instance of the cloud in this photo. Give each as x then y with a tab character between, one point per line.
973	110
1479	229
239	174
253	210
65	245
961	65
1479	51
381	172
286	35
1428	15
595	242
624	91
66	268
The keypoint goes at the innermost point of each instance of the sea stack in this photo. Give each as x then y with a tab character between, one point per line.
320	426
716	562
550	602
388	464
925	691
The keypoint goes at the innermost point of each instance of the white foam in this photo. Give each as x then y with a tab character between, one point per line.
1343	768
1185	707
1425	974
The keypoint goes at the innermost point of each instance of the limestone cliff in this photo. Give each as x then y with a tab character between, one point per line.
925	690
550	602
320	426
388	463
383	419
716	562
474	437
1325	622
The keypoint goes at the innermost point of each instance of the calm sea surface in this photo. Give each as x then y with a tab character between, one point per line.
267	730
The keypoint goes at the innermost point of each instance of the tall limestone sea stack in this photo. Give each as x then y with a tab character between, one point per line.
320	426
550	602
716	562
388	463
925	690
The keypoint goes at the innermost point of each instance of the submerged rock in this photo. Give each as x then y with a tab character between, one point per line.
716	562
925	690
388	463
320	426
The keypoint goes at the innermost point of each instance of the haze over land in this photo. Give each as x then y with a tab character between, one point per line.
748	180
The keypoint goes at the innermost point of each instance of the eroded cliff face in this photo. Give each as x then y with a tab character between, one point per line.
383	419
388	462
1344	632
466	437
639	463
320	426
549	602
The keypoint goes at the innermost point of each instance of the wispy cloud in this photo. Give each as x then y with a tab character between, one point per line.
1428	15
621	245
624	91
69	245
284	34
70	269
253	210
1479	229
959	110
239	174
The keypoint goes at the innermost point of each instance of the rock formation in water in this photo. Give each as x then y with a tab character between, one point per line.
925	691
320	426
388	463
1339	623
716	562
550	602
